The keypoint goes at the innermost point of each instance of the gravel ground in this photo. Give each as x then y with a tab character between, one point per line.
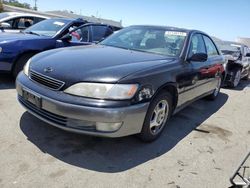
201	147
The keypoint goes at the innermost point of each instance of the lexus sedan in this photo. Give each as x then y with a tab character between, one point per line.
130	83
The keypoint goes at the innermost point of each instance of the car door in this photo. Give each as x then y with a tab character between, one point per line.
214	67
195	77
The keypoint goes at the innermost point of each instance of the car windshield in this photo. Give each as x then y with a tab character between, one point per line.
148	39
47	27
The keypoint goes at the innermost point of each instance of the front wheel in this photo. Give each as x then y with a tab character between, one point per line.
159	111
18	67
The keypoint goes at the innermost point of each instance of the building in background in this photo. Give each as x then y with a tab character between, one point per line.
243	40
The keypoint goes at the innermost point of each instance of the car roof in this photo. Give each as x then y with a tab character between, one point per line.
13	14
170	28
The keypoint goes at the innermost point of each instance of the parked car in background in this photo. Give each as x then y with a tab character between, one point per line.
237	65
130	83
17	48
15	21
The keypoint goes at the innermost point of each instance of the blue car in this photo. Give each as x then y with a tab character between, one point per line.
16	49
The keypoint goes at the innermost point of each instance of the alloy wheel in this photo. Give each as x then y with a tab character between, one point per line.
159	116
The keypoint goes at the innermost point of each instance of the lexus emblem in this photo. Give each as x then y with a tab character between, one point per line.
48	69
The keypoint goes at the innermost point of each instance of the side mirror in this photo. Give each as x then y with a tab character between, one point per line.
66	38
199	57
5	25
248	55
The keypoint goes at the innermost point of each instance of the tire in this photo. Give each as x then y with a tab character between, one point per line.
156	118
18	67
247	76
236	79
216	91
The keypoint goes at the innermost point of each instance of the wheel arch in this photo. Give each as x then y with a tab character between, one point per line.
169	87
31	52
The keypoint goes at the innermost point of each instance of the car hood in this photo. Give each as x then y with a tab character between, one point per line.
94	63
5	37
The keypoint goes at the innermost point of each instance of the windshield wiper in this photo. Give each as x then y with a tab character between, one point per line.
31	32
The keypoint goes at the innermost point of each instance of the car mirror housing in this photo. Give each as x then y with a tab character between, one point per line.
199	57
5	25
66	38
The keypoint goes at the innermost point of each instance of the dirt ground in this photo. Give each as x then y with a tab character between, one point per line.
201	147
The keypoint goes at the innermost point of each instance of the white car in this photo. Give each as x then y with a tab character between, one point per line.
15	21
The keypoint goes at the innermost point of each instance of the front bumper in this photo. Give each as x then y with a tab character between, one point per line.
79	118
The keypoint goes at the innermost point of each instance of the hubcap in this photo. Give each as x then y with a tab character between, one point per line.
159	116
217	89
237	78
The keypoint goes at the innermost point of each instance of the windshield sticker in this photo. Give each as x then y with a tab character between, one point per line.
176	33
59	23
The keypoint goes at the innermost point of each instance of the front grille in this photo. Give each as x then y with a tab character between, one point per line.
61	120
46	81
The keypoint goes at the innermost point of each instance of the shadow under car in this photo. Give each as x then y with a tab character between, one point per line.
116	154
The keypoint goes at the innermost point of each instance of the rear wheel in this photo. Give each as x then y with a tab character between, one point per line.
247	76
160	110
216	91
18	67
236	78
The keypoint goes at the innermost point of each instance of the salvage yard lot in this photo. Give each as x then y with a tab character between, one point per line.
201	147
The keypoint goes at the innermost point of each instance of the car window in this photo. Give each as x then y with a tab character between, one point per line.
48	27
23	23
11	22
196	45
211	49
147	39
99	32
36	19
80	35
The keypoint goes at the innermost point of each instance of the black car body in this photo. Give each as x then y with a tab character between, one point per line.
237	64
130	83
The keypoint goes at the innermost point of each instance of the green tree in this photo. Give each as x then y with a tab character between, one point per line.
17	4
1	6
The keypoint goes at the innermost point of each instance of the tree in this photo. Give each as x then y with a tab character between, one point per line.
17	4
1	6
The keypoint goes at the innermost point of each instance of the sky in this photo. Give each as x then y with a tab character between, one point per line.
225	19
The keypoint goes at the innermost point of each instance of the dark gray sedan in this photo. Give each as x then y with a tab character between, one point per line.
130	83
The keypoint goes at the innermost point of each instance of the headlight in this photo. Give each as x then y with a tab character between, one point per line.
26	68
103	91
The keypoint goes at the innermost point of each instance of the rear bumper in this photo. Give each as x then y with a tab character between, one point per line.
82	119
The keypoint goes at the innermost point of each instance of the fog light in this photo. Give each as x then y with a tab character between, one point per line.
108	127
80	124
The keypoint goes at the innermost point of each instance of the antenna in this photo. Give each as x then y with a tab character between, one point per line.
35	7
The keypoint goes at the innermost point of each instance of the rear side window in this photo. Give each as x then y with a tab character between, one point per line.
99	32
211	49
197	45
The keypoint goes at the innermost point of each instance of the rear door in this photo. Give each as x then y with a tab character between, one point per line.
214	66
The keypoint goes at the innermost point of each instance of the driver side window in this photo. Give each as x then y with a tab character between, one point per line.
196	45
80	35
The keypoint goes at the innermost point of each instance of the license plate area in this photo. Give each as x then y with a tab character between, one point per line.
32	98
